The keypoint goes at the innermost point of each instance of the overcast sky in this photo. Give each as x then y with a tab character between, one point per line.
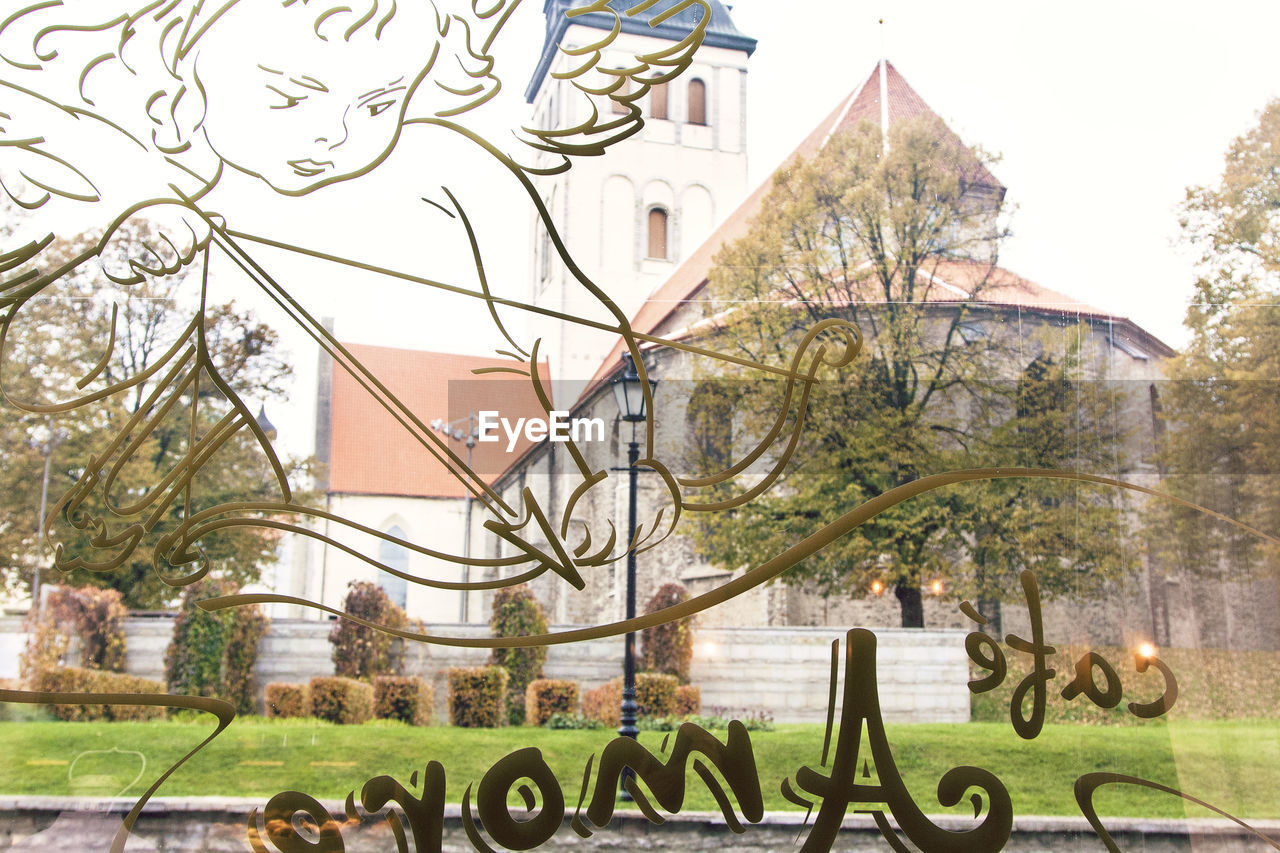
1103	115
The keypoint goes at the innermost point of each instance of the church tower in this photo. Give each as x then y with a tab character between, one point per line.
632	215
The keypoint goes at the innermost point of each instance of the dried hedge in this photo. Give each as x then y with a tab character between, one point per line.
404	698
72	679
545	697
655	697
344	701
288	700
477	696
688	700
604	703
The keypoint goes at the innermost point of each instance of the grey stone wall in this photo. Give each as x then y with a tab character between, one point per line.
782	671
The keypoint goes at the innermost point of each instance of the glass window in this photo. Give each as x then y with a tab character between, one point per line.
697	102
396	557
658	233
658	101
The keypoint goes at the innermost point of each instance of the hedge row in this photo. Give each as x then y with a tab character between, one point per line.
72	679
346	701
656	696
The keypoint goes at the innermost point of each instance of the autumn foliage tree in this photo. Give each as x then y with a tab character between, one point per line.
900	237
100	365
1222	438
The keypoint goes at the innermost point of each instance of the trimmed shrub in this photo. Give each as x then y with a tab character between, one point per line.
404	698
604	704
344	701
668	648
545	697
361	652
688	700
655	695
73	679
193	661
517	613
477	696
288	700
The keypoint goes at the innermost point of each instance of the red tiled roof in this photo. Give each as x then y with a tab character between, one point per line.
372	453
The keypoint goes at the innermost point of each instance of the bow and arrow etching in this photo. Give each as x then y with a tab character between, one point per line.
141	114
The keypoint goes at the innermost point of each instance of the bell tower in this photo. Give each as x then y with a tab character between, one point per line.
630	216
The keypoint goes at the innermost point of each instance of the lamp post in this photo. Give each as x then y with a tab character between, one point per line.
628	391
469	436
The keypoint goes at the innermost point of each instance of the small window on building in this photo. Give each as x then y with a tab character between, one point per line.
697	102
658	233
544	251
658	101
621	107
396	557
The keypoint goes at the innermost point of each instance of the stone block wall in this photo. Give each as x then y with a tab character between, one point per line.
782	671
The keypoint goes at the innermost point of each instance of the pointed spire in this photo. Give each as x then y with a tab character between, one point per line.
268	428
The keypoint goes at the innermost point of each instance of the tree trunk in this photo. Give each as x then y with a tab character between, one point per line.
912	604
990	608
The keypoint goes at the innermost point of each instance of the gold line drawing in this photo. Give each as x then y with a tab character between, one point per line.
189	132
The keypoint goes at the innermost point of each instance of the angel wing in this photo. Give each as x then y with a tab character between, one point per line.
622	86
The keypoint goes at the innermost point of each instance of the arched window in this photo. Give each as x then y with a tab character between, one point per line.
658	233
658	100
697	102
396	557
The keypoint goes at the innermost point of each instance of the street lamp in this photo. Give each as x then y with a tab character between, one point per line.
469	436
629	392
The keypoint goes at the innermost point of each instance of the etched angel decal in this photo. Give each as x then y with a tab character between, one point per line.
123	114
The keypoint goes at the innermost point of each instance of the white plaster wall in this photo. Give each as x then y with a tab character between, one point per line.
670	152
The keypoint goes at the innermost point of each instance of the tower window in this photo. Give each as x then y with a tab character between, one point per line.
697	102
621	107
658	233
658	100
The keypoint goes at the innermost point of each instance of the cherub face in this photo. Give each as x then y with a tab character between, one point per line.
299	100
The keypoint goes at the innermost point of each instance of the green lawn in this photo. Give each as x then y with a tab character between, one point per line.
1234	765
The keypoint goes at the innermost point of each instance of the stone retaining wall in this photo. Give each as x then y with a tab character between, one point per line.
782	671
58	825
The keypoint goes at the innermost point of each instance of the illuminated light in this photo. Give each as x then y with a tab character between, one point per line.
877	587
707	649
1147	650
936	587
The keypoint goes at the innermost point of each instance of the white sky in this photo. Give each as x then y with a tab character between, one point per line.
1103	114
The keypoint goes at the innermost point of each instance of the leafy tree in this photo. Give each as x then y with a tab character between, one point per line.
1222	445
902	241
122	352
